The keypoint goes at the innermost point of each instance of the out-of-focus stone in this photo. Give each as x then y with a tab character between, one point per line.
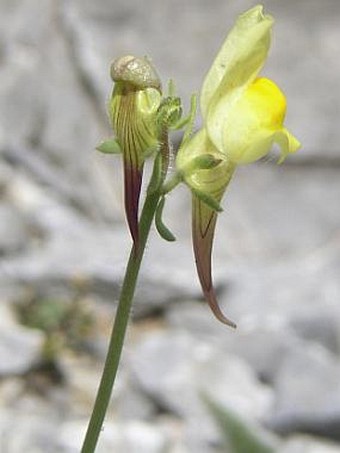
319	327
263	345
174	369
278	292
30	423
162	365
46	105
278	213
14	234
133	436
20	347
37	433
263	348
78	253
308	444
307	393
307	77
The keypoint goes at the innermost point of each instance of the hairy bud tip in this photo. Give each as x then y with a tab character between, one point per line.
139	72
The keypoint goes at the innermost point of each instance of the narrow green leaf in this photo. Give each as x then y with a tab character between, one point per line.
237	433
162	229
189	120
171	88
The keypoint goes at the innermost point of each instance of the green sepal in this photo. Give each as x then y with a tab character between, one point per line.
162	229
171	88
189	120
208	200
169	112
110	146
204	162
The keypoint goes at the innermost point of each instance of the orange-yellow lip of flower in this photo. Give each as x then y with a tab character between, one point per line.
264	96
244	124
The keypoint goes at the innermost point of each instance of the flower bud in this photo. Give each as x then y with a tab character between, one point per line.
139	72
133	110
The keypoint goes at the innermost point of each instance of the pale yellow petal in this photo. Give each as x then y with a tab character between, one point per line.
253	146
287	142
241	57
237	124
194	147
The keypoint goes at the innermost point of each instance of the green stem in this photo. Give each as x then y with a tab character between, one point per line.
120	325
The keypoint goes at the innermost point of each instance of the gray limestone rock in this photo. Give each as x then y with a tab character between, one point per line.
307	393
133	436
174	369
319	327
14	230
308	444
47	111
20	347
36	434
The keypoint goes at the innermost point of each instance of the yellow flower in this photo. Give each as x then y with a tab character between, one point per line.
253	123
243	116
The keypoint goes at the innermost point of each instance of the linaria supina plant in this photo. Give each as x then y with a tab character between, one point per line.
243	116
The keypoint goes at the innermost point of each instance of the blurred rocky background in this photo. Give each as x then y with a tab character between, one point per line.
187	384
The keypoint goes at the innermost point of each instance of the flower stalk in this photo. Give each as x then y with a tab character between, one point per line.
122	316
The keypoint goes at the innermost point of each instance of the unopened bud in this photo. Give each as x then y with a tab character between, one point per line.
136	71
